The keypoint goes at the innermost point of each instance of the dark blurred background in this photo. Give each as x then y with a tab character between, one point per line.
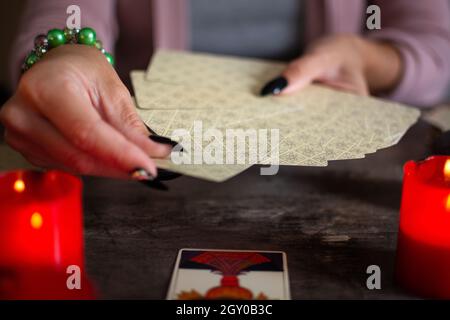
9	20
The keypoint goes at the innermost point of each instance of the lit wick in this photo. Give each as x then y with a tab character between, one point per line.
447	170
447	178
36	220
19	185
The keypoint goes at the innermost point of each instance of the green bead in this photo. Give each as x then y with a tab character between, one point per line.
87	36
110	58
56	38
31	59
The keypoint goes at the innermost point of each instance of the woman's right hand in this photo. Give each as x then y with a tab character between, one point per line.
72	112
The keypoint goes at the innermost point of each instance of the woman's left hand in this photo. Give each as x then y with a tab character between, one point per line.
344	62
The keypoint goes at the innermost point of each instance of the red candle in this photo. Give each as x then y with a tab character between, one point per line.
40	233
423	248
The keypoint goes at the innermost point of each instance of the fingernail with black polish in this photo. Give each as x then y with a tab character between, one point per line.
140	174
165	140
164	175
146	178
274	86
155	184
149	129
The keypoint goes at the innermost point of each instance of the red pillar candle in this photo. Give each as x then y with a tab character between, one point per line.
40	233
423	248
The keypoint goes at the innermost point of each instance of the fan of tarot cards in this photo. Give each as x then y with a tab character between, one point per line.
211	106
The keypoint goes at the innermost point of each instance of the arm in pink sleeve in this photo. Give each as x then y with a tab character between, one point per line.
421	32
41	16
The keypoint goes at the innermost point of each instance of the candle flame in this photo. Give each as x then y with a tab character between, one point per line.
19	185
447	170
36	220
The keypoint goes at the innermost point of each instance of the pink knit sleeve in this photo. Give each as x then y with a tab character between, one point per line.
421	32
41	16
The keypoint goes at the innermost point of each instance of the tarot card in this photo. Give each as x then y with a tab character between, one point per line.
203	274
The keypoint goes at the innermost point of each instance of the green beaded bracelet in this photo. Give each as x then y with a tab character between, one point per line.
57	37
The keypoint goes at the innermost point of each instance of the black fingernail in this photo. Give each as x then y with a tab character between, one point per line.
165	175
149	129
275	86
164	140
155	184
140	174
146	178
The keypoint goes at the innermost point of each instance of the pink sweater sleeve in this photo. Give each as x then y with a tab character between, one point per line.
421	31
41	16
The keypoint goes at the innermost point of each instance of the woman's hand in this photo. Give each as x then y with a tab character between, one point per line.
344	62
72	112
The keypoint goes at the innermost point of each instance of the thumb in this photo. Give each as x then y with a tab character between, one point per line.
297	75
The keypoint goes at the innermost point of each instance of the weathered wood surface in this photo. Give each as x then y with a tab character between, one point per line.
332	222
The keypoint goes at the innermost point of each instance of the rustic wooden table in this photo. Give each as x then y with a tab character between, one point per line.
332	222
